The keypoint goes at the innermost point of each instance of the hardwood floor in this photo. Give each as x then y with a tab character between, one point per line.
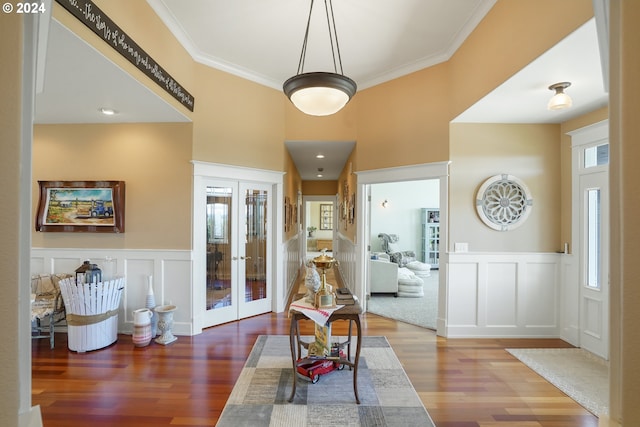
462	382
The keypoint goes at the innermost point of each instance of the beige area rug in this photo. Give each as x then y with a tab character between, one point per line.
581	375
260	396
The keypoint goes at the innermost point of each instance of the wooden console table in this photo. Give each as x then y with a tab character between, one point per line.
351	313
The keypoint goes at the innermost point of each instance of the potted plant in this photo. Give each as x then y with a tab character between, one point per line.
311	229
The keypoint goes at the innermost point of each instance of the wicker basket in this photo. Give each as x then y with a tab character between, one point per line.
92	313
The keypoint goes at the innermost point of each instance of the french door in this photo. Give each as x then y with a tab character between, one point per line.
237	262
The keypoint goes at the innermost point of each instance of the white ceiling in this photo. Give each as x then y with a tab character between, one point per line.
261	41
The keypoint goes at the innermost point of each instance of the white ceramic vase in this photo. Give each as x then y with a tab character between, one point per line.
151	304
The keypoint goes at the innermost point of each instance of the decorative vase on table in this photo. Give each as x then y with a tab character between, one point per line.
312	283
151	304
165	323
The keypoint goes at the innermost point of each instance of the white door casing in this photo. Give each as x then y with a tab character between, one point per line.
240	179
590	236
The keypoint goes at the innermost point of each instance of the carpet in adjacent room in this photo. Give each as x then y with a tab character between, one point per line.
421	311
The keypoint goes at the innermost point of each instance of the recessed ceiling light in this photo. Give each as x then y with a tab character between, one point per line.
320	156
107	111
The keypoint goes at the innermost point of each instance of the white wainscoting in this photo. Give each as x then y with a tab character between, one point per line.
292	264
503	295
347	257
171	271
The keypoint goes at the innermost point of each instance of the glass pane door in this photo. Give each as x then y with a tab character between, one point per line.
237	255
257	296
256	245
220	241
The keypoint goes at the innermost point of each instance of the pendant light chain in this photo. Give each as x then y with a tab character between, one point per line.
333	34
303	53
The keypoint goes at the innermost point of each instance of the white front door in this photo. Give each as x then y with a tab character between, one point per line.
237	256
594	263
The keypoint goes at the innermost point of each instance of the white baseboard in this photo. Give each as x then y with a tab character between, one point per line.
33	418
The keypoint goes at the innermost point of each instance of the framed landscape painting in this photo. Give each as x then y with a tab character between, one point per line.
81	206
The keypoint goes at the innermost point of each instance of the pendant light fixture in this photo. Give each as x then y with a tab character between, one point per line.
560	100
321	93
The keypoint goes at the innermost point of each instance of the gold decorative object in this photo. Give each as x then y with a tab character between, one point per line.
324	298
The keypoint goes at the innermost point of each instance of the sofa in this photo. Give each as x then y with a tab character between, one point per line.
388	277
383	276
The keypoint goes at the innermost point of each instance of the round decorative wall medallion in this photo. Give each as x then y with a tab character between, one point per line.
503	202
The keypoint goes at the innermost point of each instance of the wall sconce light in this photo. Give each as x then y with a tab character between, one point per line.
560	100
385	203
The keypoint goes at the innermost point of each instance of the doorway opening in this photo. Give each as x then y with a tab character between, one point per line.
319	223
409	211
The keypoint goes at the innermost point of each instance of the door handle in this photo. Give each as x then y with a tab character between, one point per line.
242	257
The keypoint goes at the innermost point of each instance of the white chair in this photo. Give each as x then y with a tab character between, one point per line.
383	277
92	313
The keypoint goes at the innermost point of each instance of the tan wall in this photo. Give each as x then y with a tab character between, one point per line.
152	159
625	204
347	183
12	351
529	152
404	121
319	188
291	187
237	122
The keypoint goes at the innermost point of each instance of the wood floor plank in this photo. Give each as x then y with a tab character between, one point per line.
462	382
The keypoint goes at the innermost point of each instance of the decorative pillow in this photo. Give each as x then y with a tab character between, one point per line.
417	265
393	247
403	258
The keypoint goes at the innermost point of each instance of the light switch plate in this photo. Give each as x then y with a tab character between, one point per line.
461	247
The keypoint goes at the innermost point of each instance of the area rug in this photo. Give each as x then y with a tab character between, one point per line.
581	375
260	396
416	311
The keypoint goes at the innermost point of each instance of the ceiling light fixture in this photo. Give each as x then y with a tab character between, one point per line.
560	100
107	111
320	93
320	156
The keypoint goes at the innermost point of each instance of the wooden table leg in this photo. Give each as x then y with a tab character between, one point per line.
349	343
357	359
293	333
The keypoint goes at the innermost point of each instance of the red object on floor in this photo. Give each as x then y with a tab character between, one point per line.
314	368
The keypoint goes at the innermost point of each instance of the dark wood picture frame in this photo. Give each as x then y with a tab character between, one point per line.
81	206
